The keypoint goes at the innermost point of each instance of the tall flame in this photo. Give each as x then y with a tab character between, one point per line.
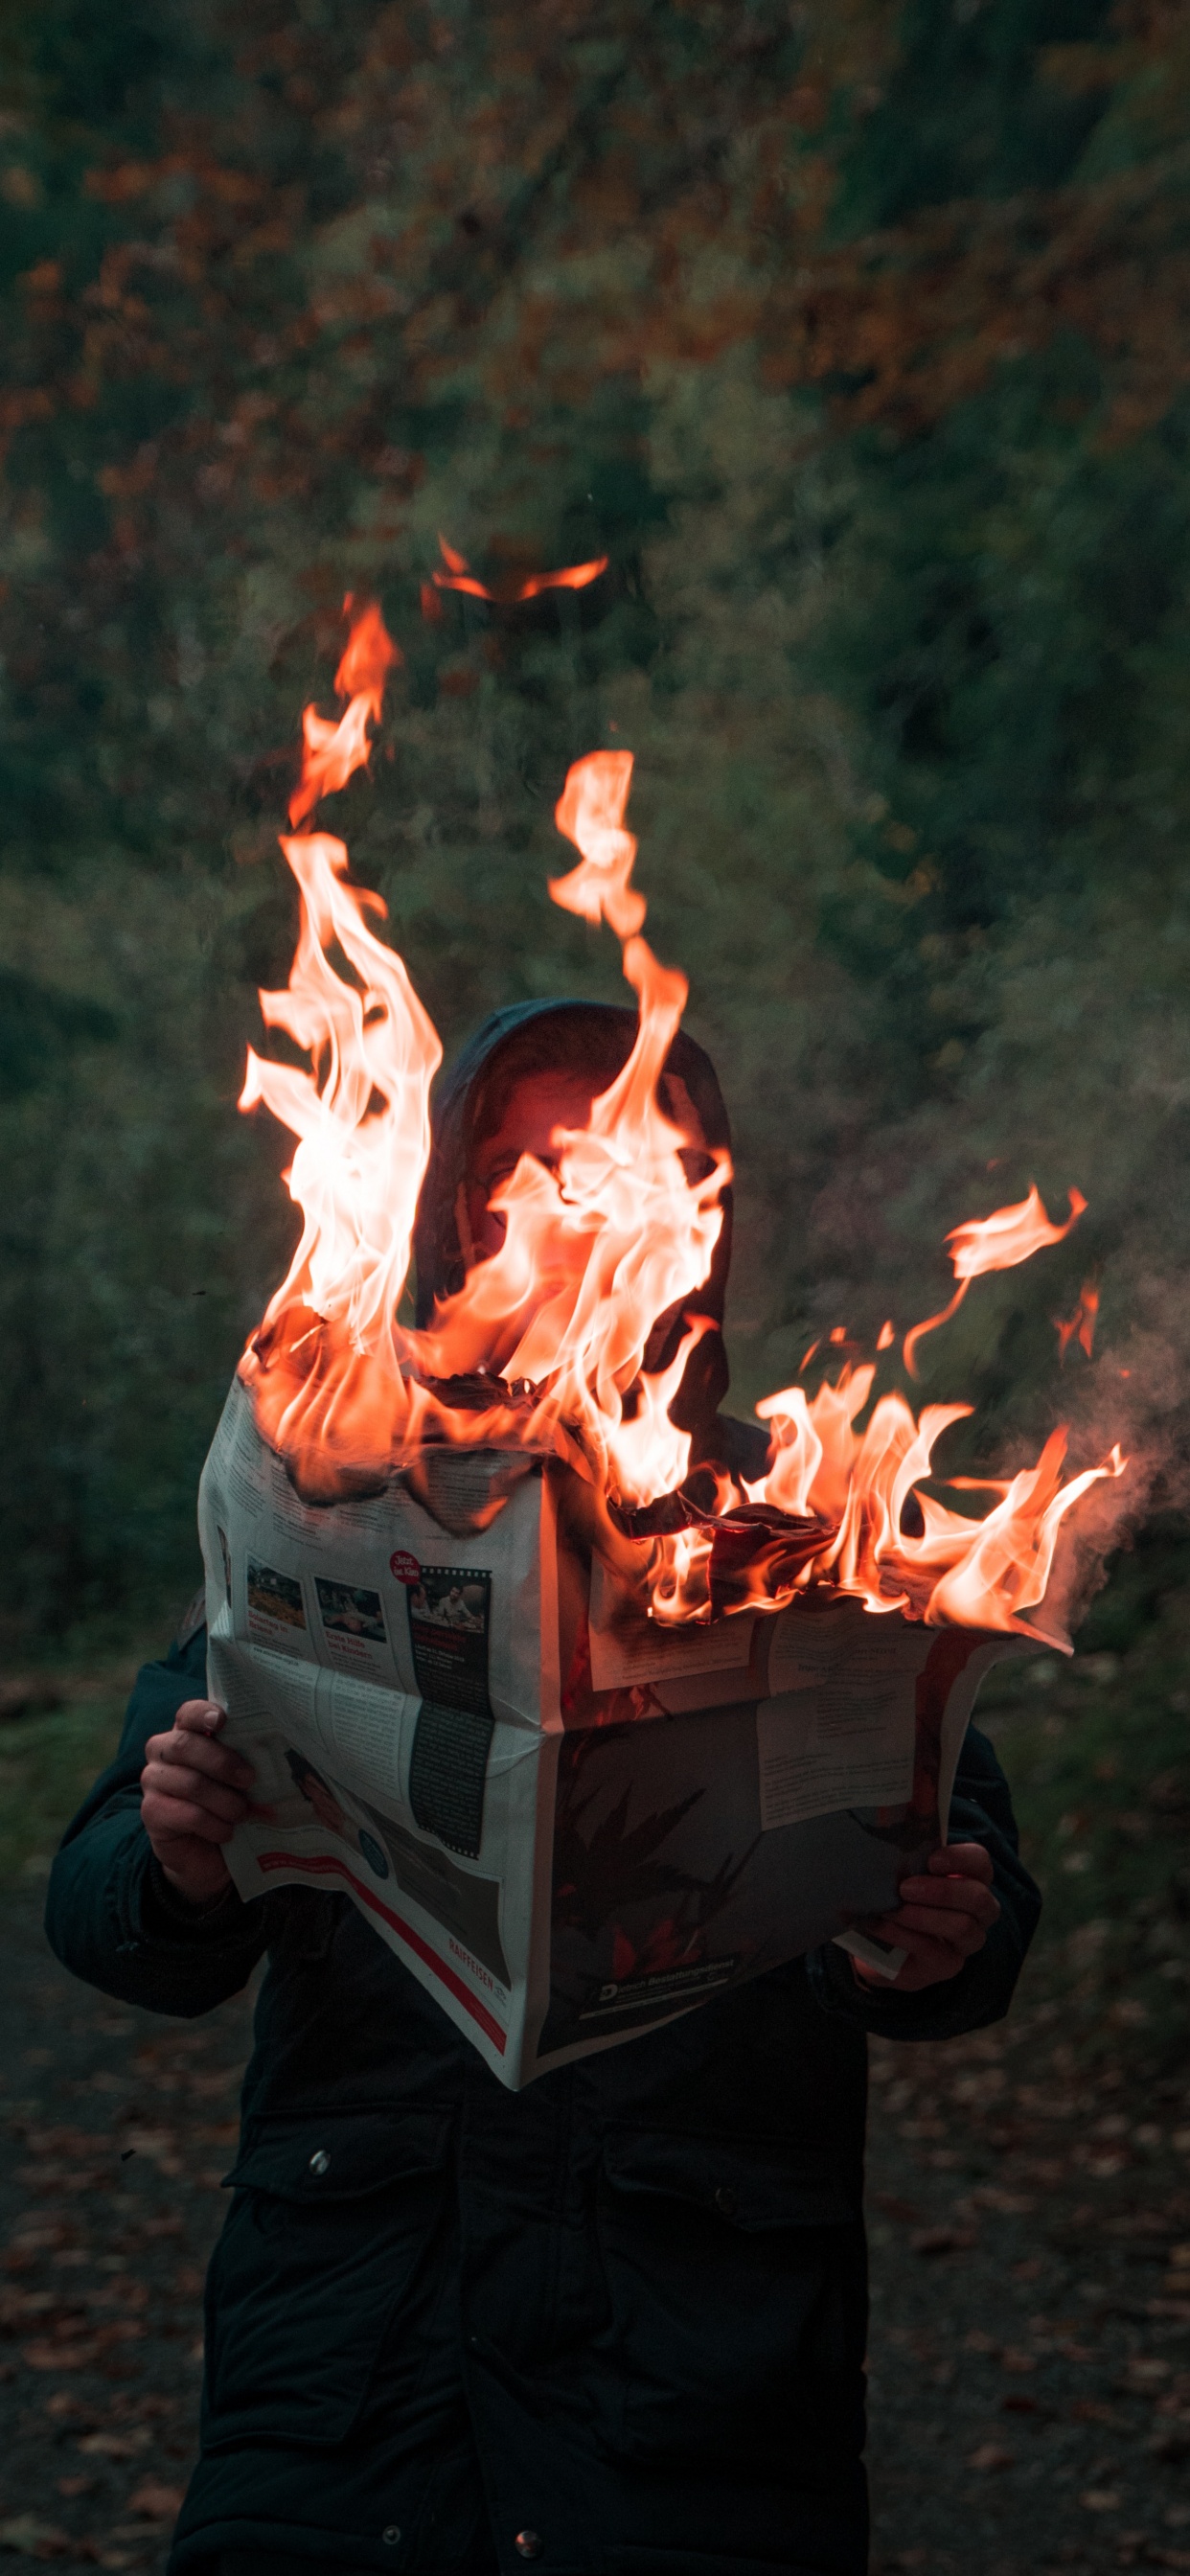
322	1368
594	1254
552	1330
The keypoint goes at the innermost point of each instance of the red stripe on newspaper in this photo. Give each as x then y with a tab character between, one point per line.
318	1863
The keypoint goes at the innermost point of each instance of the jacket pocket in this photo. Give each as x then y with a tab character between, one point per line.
328	2227
737	2289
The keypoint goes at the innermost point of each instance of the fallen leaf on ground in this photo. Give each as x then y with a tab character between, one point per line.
157	2503
1143	2370
990	2455
1100	2499
32	2538
941	2240
62	2356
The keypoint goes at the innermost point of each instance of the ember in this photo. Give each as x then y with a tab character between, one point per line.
1080	1327
459	576
550	1332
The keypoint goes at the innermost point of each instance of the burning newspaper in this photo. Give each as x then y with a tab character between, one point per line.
568	1824
588	1736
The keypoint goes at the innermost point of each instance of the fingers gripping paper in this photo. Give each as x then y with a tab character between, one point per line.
567	1823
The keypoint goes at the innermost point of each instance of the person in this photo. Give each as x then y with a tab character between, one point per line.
613	2324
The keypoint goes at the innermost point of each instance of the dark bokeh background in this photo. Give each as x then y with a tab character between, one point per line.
857	338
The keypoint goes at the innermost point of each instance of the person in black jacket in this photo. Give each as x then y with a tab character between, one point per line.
615	2323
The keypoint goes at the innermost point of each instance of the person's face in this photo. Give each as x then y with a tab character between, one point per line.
536	1106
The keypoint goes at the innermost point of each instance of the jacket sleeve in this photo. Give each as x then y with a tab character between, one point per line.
980	1812
111	1914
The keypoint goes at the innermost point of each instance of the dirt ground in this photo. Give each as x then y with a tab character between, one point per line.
1030	2347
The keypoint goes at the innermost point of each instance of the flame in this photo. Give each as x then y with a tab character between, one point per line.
595	1253
334	751
590	811
1081	1327
322	1368
551	1331
855	1487
361	1117
997	1242
459	576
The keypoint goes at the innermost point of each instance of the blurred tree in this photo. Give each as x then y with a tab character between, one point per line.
858	341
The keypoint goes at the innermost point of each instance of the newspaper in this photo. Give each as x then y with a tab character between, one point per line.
569	1823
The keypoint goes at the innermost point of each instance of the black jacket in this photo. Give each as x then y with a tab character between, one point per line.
644	2276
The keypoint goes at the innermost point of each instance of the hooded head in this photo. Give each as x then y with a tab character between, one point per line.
528	1070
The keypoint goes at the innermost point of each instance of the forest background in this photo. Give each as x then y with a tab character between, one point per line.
858	339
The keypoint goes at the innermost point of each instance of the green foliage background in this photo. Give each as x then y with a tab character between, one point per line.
757	302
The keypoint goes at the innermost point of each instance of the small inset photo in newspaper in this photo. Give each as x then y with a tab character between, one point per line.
331	1808
276	1610
353	1627
449	1613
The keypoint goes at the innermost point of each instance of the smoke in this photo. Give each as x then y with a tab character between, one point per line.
1135	1391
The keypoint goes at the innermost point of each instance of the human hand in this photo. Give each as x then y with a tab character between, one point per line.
194	1792
943	1918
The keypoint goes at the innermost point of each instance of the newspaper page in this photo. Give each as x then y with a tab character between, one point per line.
383	1677
568	1822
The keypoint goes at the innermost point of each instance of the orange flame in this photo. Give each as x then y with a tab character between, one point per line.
597	1246
590	811
1081	1327
334	751
459	576
361	1118
594	1254
855	1487
997	1242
